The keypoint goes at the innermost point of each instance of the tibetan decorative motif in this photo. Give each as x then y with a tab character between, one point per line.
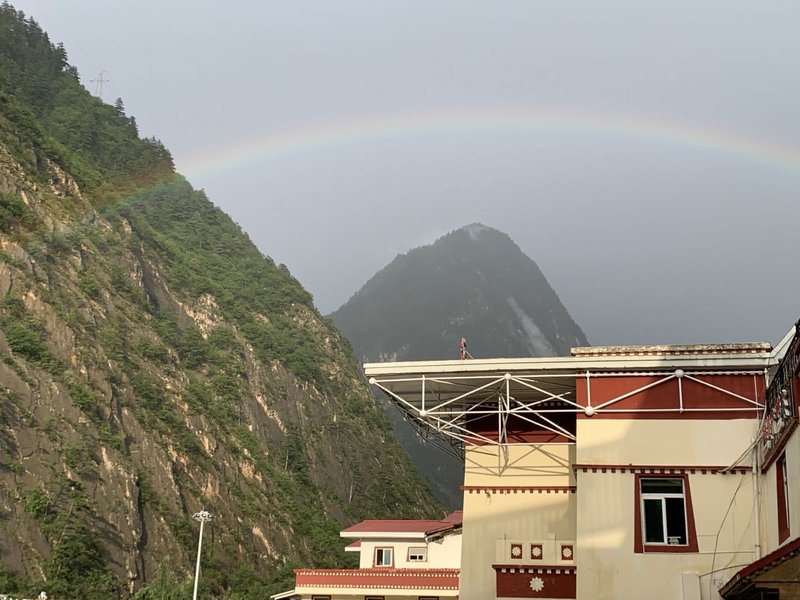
516	551
567	552
536	552
515	581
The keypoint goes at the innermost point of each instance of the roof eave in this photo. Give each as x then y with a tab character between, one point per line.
574	364
371	535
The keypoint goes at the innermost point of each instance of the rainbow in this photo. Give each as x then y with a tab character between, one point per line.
370	129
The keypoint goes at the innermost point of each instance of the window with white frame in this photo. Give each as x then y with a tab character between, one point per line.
417	554
663	511
383	557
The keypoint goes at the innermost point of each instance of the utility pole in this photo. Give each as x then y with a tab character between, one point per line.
202	516
98	83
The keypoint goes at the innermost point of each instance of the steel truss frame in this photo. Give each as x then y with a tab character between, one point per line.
442	403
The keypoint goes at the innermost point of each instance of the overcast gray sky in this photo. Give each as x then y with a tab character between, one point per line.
646	155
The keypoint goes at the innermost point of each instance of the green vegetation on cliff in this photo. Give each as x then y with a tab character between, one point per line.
153	363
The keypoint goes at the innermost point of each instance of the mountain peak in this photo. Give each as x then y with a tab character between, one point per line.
473	282
421	305
475	230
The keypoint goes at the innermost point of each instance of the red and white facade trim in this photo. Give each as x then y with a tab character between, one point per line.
519	489
377	579
546	582
661	469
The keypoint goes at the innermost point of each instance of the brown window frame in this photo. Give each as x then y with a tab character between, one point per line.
639	545
782	493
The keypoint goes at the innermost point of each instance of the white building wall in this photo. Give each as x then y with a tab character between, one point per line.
722	504
793	478
769	497
444	553
608	567
496	517
663	441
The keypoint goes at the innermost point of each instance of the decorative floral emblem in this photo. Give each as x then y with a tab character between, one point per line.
516	550
537	585
536	551
566	552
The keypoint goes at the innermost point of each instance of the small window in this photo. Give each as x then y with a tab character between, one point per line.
383	557
664	521
783	496
418	554
664	512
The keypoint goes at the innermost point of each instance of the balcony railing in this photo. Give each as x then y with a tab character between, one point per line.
781	416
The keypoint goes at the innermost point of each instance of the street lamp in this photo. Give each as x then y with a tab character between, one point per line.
202	516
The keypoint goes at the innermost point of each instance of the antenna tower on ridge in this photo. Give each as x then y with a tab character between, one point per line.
98	83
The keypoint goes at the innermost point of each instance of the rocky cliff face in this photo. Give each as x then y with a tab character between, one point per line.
153	363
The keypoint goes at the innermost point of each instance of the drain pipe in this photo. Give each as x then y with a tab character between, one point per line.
756	503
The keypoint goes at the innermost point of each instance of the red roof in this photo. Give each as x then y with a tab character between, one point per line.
422	526
456	517
378	578
755	569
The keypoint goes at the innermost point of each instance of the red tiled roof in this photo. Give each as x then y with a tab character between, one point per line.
378	578
456	517
405	525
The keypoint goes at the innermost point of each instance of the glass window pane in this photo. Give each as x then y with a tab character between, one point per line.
653	521
676	521
662	486
383	557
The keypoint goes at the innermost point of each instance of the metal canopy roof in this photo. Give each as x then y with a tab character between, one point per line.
442	396
425	385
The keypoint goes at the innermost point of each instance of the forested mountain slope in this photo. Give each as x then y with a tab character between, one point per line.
153	363
472	283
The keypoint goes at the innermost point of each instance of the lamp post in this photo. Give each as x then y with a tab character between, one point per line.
202	516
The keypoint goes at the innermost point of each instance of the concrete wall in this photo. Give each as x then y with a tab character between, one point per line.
605	539
662	441
511	504
769	498
444	553
722	505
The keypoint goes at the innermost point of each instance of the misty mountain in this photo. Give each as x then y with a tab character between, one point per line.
472	283
475	283
153	363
